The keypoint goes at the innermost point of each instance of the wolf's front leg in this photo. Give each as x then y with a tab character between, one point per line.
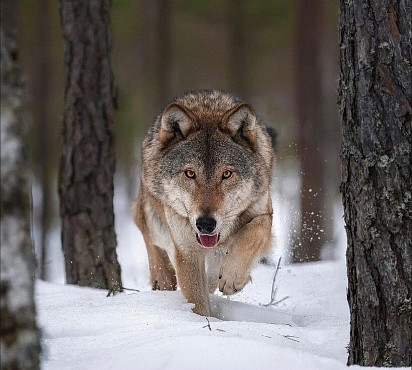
251	241
191	276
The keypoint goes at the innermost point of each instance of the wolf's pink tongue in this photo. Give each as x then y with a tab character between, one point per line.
209	241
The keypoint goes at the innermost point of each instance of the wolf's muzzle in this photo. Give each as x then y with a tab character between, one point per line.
206	225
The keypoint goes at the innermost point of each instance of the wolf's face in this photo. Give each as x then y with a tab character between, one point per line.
208	172
211	180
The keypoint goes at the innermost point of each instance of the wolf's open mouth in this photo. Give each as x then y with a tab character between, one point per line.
208	241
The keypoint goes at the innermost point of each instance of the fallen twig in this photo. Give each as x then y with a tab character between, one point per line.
114	291
275	323
208	324
291	337
273	301
133	290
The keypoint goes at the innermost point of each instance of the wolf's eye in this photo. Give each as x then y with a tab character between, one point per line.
226	174
190	174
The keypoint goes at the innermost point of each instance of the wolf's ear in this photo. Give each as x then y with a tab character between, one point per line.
240	124
175	123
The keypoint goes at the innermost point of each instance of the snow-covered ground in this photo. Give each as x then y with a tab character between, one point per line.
84	329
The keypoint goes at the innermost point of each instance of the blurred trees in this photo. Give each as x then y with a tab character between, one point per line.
20	344
238	53
375	96
44	148
162	49
87	166
311	133
43	73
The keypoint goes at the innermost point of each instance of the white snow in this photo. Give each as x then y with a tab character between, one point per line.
84	329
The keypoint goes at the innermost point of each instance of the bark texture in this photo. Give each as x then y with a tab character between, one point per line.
375	98
87	166
20	345
310	131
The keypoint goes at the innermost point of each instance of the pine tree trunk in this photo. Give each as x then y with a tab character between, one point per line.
310	131
20	345
238	52
163	22
41	94
87	166
375	96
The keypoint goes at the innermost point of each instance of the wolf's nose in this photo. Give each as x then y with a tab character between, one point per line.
206	225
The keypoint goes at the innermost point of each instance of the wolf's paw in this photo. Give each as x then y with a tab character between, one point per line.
232	280
202	310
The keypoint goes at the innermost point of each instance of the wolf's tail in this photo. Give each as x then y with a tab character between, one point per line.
273	136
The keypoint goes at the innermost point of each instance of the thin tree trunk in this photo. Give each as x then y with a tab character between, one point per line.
87	166
375	97
156	55
163	19
237	47
20	345
42	123
309	106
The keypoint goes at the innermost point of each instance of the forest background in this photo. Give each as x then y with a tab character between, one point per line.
257	50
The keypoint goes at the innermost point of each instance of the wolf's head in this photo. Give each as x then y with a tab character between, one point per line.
208	157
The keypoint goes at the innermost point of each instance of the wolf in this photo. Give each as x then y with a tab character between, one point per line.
204	205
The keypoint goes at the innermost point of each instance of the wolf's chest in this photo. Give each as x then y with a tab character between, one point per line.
159	232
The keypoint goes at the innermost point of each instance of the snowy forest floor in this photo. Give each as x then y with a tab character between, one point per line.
84	329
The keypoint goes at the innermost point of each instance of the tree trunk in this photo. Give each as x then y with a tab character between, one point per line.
87	166
309	107
375	95
41	97
163	20
20	345
238	53
156	55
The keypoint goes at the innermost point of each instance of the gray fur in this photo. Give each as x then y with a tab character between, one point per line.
207	147
206	155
